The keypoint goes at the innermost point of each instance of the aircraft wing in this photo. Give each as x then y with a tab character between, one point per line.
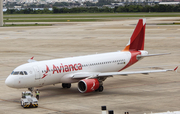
110	74
85	75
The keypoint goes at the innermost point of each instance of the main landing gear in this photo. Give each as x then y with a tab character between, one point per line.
100	89
66	85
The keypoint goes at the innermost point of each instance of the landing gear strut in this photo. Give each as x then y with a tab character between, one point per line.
31	89
66	85
101	88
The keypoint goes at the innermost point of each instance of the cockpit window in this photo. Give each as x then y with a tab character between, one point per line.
25	72
19	73
16	73
12	72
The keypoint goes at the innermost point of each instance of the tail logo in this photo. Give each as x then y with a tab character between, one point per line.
136	41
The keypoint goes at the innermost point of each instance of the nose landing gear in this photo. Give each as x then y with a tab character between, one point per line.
31	89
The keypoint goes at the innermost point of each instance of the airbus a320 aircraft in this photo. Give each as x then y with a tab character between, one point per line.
89	71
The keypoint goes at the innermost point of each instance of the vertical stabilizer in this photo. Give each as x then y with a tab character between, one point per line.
136	41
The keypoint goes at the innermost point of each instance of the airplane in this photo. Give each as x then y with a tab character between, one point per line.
88	71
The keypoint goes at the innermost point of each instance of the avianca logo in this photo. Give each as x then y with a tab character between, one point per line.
63	68
47	70
67	68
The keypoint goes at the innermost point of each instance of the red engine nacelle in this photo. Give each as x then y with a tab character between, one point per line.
88	85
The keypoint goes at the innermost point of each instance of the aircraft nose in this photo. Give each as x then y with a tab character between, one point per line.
9	81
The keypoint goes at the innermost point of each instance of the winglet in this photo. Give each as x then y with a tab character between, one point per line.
176	69
32	60
136	41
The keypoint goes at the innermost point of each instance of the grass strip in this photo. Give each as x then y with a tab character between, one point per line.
11	25
56	20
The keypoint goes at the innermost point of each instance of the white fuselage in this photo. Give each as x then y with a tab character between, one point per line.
48	72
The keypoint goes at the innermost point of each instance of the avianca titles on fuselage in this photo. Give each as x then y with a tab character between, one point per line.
89	71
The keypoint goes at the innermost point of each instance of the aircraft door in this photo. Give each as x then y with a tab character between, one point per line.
37	73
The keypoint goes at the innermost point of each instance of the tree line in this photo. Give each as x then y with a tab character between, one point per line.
58	4
119	9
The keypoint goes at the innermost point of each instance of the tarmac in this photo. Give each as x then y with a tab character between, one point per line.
136	93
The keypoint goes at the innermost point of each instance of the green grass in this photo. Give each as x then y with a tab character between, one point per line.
55	20
79	17
11	25
91	15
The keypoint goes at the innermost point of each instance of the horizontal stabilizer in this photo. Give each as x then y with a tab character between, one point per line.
149	55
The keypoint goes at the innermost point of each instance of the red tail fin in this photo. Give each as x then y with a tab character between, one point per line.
136	41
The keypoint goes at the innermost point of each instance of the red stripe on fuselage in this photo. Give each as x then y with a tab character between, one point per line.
133	59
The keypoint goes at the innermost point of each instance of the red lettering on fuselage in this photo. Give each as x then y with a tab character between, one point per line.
71	67
66	68
63	68
55	69
75	67
79	66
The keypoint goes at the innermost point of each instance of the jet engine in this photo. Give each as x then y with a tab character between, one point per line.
88	85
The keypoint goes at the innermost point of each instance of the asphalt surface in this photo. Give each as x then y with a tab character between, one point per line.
136	94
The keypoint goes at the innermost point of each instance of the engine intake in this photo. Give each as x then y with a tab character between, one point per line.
88	85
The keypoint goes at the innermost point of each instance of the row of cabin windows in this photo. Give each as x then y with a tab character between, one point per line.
108	62
102	63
